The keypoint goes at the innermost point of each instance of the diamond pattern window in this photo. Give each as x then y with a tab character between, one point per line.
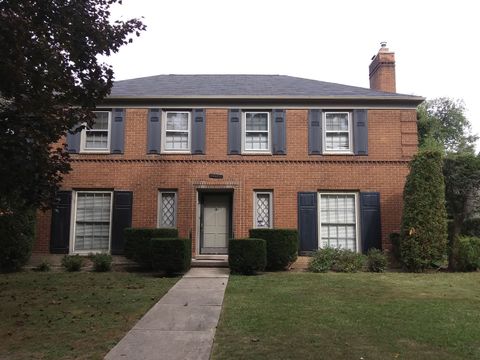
168	209
263	210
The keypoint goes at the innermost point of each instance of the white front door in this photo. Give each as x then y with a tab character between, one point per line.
215	224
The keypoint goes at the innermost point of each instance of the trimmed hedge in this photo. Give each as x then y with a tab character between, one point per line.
137	243
247	256
17	230
423	235
467	253
339	260
282	246
172	255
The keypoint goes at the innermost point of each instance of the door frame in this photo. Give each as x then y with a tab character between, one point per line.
201	193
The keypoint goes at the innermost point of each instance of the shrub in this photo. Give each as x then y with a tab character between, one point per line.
17	229
377	261
423	235
44	266
471	227
172	255
348	261
72	262
102	262
282	246
322	260
341	260
467	253
247	256
137	243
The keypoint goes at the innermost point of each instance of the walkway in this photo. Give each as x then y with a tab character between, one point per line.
182	324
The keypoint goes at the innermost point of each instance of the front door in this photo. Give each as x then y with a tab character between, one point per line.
215	223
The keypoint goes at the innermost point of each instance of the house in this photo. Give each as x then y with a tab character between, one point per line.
216	155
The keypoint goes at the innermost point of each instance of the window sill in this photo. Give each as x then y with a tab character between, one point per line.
256	153
104	152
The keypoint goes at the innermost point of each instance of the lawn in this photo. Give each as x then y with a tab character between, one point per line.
72	315
350	316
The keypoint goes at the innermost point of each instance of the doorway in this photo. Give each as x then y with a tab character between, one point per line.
215	223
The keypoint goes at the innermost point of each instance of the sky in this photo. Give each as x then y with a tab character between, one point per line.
436	43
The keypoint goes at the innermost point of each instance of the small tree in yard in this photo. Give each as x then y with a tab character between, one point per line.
424	220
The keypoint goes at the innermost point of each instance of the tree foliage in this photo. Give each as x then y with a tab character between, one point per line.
51	79
443	120
424	220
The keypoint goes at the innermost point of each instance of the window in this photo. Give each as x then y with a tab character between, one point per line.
176	134
263	210
337	138
167	209
338	219
97	137
92	222
256	132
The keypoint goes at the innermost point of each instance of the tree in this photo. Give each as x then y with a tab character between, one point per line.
443	120
424	221
51	80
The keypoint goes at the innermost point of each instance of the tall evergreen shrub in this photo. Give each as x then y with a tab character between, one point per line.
424	221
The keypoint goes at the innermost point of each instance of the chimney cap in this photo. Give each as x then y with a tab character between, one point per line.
383	44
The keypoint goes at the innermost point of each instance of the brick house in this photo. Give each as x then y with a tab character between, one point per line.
216	155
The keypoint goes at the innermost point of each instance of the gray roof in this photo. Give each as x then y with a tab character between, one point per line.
242	86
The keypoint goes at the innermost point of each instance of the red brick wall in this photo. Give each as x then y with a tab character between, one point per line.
392	140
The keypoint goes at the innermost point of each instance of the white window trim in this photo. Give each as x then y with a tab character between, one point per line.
74	222
324	133
83	137
270	210
357	217
244	133
159	207
164	133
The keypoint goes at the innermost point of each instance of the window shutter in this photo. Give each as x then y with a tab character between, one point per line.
198	131
60	230
235	132
118	131
315	132
279	132
307	221
154	131
73	141
360	131
121	219
370	222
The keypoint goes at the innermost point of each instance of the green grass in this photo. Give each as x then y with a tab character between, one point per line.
350	316
72	315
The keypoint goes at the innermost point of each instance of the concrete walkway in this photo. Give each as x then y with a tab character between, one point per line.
182	324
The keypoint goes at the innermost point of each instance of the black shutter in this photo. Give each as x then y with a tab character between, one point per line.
121	219
154	131
235	132
360	131
370	221
315	132
118	131
279	132
198	131
307	221
73	141
60	230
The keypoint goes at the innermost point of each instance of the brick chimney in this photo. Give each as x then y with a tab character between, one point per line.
382	70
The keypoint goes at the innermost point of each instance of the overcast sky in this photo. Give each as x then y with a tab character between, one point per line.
436	42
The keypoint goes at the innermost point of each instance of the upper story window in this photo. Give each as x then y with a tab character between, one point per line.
256	132
97	137
337	132
176	131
